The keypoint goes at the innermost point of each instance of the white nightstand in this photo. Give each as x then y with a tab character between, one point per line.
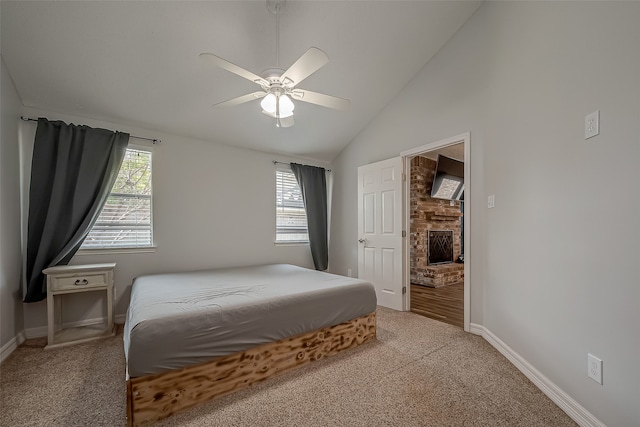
71	279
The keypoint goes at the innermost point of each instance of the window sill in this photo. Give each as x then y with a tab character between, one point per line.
105	251
291	243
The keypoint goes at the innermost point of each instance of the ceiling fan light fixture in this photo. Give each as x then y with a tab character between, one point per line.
268	103
285	107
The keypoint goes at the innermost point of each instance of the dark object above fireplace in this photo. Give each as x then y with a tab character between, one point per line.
448	181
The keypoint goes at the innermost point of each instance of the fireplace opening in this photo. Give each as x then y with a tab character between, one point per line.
440	247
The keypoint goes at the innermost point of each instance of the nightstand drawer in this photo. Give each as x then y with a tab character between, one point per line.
79	281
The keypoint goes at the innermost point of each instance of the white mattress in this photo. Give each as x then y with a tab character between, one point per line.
177	320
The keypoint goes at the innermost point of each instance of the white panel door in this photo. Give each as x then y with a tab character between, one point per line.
380	229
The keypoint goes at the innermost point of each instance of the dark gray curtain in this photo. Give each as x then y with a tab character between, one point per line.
313	183
72	172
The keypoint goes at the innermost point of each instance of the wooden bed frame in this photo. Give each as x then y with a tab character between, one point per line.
157	396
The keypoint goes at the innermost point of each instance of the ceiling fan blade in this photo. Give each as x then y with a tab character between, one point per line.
310	62
285	122
233	68
240	100
321	99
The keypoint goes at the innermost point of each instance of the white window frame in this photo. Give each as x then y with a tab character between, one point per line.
130	249
277	242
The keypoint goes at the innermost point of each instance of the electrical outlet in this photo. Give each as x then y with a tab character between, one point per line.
592	124
594	368
349	273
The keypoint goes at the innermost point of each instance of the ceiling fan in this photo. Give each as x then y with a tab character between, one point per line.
279	86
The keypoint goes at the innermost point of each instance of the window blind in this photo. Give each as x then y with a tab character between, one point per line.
125	220
291	218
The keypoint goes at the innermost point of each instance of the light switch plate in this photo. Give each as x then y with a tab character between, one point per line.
491	201
592	124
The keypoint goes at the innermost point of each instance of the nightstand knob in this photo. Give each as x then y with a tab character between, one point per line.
81	282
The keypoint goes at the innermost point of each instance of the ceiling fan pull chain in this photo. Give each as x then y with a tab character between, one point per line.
277	109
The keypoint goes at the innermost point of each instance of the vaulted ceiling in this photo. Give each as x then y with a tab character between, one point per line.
137	63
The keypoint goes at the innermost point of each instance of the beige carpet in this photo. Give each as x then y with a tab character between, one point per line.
419	372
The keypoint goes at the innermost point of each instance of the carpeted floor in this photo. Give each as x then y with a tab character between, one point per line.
419	372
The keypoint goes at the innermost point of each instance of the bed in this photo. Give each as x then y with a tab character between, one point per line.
190	337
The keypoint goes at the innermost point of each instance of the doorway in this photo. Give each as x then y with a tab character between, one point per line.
436	218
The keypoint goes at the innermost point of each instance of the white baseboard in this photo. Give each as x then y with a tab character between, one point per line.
476	329
576	411
9	347
41	331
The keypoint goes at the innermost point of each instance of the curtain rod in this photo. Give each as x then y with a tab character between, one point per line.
275	162
153	140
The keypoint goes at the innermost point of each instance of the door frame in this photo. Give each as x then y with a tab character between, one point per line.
407	155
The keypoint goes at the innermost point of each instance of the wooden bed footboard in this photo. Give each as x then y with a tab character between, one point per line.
157	396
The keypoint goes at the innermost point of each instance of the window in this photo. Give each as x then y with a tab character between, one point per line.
291	218
125	220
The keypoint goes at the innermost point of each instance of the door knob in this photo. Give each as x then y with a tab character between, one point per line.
361	240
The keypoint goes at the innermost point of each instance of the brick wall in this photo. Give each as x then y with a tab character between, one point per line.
430	214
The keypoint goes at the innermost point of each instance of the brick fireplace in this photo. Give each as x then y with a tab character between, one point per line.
441	219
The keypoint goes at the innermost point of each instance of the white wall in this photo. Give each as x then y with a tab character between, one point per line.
555	268
11	322
213	206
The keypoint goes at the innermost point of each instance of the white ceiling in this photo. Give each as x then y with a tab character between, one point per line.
137	63
454	151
